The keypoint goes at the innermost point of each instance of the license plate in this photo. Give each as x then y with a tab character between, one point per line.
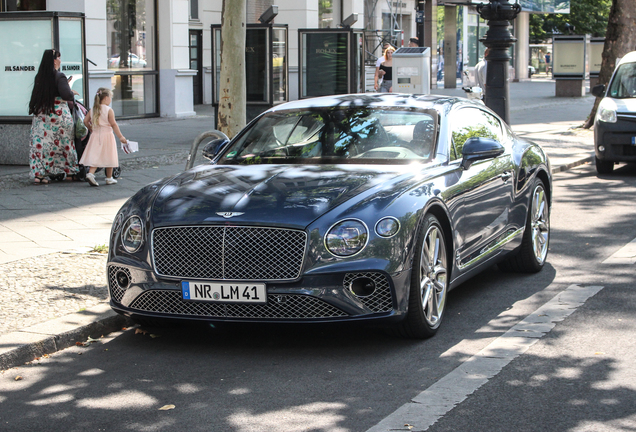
225	292
633	140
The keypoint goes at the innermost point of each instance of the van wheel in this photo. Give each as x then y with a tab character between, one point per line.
603	167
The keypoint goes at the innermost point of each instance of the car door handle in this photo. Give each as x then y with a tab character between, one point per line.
505	176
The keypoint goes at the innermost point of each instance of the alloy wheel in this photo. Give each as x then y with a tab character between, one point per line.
433	276
540	224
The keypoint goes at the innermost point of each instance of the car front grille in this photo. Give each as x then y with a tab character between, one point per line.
629	150
279	306
228	253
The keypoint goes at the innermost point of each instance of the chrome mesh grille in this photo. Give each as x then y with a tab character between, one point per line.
229	253
116	292
279	306
380	300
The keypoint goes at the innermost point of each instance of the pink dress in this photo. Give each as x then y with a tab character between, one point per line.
101	150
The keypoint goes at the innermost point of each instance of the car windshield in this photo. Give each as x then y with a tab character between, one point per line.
357	135
624	82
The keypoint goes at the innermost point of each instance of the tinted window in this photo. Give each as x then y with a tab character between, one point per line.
624	82
469	123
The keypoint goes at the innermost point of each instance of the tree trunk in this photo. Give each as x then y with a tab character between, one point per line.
619	40
231	117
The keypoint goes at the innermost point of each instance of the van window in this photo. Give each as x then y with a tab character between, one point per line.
624	82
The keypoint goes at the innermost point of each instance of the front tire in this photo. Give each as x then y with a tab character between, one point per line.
536	237
603	167
429	282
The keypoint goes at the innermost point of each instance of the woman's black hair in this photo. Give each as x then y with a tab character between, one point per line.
44	86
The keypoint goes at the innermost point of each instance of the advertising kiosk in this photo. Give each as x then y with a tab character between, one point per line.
570	65
596	58
266	67
331	61
25	36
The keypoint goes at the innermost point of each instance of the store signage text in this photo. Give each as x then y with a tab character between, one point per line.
19	68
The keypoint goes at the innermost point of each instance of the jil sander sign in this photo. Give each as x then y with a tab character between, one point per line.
19	68
70	68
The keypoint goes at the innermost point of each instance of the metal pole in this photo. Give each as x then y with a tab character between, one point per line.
498	13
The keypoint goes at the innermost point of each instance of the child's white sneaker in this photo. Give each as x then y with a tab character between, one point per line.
90	178
110	180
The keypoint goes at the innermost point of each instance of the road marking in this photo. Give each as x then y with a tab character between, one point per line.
433	403
625	255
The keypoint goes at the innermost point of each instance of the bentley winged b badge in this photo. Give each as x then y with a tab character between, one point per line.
228	215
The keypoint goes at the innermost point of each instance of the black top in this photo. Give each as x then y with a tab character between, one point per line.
388	76
63	89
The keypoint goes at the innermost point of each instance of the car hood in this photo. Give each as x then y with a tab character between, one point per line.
627	105
291	195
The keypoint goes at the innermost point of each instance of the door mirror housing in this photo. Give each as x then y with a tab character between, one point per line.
214	147
598	90
476	149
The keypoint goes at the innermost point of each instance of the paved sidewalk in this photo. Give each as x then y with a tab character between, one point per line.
53	286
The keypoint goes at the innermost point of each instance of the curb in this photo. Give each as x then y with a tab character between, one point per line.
25	345
573	164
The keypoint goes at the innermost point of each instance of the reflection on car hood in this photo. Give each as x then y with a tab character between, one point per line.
293	195
625	105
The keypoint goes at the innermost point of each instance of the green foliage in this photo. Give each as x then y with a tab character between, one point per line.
103	249
587	17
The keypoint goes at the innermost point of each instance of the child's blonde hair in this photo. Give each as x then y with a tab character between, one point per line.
102	93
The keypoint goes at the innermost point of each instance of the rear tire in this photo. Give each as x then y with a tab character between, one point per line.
533	251
603	167
429	283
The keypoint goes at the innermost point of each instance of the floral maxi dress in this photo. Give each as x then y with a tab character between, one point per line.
52	149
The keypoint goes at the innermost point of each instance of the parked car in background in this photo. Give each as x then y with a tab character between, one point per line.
340	208
133	61
615	121
531	71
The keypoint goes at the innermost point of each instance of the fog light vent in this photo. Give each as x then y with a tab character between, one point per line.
119	279
373	290
123	279
362	287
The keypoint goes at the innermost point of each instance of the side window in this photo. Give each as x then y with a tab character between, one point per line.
469	123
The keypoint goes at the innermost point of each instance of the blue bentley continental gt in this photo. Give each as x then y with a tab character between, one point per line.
339	208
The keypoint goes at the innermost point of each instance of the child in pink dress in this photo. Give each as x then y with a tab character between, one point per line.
101	150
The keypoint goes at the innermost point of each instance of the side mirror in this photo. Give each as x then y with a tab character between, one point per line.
598	90
479	149
214	147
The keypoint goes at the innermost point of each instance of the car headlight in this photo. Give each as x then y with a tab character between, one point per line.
387	227
347	238
132	234
607	111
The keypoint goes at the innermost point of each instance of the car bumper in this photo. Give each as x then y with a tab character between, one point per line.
315	298
617	139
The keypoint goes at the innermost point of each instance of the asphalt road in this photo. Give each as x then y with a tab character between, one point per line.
579	376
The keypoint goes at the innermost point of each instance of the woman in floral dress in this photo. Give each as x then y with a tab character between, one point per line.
52	152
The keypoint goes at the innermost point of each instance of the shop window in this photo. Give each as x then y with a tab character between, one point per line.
22	5
131	55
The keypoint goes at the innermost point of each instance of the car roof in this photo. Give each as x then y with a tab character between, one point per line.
374	100
628	58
